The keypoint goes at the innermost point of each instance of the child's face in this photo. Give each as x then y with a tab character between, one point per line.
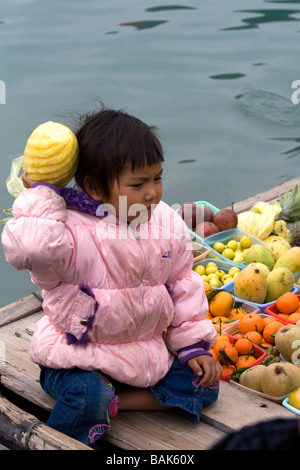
141	186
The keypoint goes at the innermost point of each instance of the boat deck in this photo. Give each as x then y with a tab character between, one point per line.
234	409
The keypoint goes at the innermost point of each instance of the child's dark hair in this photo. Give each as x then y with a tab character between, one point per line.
108	139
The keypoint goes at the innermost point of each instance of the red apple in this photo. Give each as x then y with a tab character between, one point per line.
205	229
226	219
191	213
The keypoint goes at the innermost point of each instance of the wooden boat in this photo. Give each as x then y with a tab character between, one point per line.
21	428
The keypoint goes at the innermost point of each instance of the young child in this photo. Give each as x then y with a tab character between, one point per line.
124	325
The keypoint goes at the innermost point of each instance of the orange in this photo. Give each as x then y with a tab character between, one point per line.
214	355
254	336
222	337
243	346
265	345
287	303
294	317
227	368
236	314
270	330
238	335
268	320
221	304
208	288
284	315
219	345
244	360
251	322
226	352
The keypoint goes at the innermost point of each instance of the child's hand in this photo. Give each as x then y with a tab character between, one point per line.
207	366
26	181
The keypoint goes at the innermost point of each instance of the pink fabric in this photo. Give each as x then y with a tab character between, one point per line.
140	286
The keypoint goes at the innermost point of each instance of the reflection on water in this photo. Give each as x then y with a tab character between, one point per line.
171	7
144	24
227	76
269	106
266	16
293	152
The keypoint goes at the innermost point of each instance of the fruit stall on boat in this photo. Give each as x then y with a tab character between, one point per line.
24	406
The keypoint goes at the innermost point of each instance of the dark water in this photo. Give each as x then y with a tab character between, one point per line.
214	77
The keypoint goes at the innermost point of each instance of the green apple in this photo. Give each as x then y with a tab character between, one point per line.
215	282
232	244
211	269
245	241
200	269
228	253
219	247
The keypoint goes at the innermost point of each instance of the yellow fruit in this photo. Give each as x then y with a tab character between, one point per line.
51	154
245	241
279	281
294	399
200	269
290	259
251	284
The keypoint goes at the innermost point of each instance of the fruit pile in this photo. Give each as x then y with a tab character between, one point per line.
215	277
286	307
276	379
279	374
260	330
233	354
264	279
234	250
223	310
204	222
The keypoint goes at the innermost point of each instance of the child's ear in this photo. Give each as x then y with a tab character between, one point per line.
91	189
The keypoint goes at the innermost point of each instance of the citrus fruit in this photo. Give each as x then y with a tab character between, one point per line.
251	322
287	303
221	304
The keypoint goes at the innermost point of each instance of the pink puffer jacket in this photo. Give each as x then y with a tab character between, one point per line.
109	292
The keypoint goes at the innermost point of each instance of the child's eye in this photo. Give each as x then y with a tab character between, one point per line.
158	178
137	185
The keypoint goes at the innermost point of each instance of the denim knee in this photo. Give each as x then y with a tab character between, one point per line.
85	402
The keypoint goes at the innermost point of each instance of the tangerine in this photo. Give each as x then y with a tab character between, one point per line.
268	320
227	353
236	314
254	336
207	288
227	368
243	346
270	330
219	345
294	317
221	304
287	303
245	360
251	322
222	337
214	355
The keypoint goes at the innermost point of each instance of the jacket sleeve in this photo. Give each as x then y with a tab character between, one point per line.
189	325
36	238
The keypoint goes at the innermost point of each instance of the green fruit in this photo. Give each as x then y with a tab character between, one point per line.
233	244
228	253
245	241
219	247
251	284
290	259
260	254
200	269
279	281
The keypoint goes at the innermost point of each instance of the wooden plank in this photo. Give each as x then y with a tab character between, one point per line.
236	408
24	431
266	196
160	430
19	309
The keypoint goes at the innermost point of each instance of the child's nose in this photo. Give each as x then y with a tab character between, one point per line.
151	193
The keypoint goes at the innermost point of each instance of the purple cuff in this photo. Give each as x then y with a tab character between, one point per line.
198	349
48	185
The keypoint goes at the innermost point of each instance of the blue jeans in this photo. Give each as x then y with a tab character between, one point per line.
86	400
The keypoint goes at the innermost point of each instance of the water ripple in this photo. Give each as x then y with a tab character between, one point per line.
269	106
